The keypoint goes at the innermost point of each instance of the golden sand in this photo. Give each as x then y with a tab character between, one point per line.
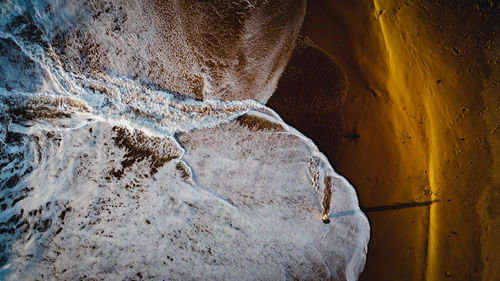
424	105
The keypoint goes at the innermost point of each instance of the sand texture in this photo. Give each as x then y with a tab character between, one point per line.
424	105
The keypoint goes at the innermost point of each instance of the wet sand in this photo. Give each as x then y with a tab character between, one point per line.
310	96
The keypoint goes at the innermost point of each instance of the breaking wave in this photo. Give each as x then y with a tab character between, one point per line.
104	175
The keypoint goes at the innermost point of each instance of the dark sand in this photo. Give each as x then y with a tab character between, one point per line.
310	96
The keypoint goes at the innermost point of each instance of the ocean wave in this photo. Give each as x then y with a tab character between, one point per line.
105	175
